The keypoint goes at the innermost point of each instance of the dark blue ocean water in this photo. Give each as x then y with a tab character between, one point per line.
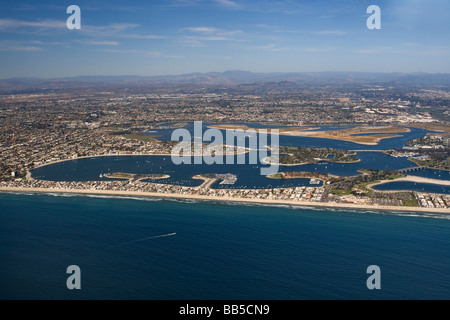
220	251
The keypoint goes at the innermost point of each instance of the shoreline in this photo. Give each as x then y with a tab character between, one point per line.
224	199
97	156
420	165
114	155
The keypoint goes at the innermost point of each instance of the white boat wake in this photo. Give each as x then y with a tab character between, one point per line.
91	257
145	239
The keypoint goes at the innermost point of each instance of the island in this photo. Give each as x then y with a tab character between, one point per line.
134	177
301	155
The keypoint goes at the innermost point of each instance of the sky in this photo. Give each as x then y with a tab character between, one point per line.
156	37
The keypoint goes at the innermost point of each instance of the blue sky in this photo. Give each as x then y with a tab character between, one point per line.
182	36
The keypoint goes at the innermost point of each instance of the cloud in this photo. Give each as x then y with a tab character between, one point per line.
195	3
116	30
407	51
110	7
147	53
317	50
201	29
434	52
184	3
9	24
227	3
288	7
208	38
211	30
198	35
330	33
38	7
43	43
9	47
262	6
141	36
273	48
25	7
409	44
374	50
113	29
102	43
29	45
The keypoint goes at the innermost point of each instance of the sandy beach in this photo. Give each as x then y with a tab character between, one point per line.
208	182
409	179
225	199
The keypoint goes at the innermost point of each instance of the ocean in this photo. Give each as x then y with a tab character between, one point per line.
148	248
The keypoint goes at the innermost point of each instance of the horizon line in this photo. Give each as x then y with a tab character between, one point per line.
217	72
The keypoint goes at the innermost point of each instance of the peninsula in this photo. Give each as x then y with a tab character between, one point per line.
41	126
367	135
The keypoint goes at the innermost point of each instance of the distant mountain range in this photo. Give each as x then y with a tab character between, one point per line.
227	79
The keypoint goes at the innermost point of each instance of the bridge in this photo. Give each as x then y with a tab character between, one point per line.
412	169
